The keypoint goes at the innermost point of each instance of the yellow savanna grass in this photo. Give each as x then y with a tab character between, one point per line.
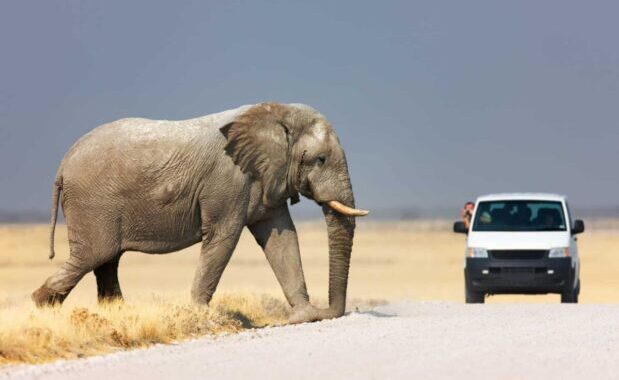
30	335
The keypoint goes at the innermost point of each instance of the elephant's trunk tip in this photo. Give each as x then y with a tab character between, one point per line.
345	210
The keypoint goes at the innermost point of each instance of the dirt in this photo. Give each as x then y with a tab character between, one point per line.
404	340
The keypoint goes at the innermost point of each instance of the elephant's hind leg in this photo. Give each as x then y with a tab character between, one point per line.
57	287
108	287
89	250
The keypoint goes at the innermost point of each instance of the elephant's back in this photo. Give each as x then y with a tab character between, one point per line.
114	145
133	157
133	135
136	156
146	141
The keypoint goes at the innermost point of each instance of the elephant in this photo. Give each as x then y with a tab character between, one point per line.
158	186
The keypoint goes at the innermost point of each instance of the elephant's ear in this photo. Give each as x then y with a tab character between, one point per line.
258	142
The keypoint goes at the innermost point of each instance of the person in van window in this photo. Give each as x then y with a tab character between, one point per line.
467	213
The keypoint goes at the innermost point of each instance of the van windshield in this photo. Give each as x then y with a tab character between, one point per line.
519	215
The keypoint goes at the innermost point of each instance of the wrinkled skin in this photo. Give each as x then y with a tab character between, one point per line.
160	186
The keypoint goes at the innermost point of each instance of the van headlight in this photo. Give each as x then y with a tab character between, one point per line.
477	252
559	252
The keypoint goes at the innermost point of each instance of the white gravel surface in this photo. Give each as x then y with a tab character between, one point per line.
400	341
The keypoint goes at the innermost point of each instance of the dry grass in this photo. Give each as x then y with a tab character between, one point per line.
29	335
391	261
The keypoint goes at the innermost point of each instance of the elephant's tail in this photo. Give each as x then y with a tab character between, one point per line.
55	197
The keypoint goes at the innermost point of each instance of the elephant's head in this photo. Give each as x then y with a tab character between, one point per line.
292	149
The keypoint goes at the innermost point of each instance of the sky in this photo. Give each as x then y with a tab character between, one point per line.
435	102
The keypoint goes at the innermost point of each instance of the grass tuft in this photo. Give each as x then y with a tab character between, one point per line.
31	335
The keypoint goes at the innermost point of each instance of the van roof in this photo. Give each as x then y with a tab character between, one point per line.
523	196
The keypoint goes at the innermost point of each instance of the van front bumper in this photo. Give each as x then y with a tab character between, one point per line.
490	276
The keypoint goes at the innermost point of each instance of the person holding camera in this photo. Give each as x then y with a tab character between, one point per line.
467	213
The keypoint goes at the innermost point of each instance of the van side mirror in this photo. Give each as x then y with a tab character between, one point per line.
578	227
460	228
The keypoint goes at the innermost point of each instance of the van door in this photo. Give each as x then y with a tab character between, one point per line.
573	245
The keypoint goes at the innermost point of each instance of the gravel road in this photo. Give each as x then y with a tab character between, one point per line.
407	340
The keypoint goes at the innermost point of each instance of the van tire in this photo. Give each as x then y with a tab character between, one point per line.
571	296
473	296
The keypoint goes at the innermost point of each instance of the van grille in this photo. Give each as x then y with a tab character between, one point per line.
524	254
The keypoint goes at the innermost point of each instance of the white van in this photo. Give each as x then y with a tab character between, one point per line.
521	243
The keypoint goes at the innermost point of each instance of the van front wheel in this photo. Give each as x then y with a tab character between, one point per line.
473	296
571	296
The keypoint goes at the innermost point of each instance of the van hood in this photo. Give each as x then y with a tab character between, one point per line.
519	240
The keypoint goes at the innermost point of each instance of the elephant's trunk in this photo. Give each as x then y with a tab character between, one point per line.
341	230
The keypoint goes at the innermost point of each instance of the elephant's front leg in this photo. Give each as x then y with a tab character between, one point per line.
214	256
278	238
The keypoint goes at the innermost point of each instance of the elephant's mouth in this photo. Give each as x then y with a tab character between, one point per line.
306	189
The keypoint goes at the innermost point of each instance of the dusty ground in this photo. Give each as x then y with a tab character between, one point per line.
401	341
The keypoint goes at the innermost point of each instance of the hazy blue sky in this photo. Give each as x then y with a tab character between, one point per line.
435	102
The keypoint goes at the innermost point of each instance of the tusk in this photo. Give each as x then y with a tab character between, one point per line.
345	210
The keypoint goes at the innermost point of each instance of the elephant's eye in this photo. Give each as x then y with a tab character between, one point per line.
321	159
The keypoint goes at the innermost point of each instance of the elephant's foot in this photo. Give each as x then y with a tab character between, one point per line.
330	313
304	313
111	297
45	296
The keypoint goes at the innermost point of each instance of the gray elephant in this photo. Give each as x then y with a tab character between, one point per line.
159	186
